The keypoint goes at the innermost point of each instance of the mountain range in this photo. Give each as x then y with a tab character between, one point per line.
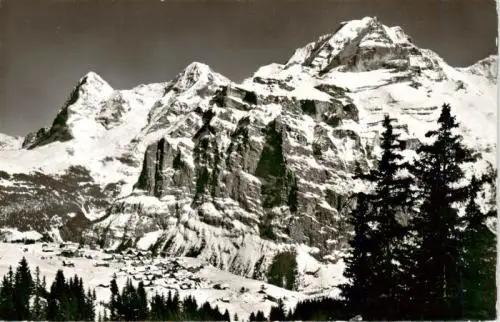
241	175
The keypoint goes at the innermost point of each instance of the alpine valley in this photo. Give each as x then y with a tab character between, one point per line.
245	178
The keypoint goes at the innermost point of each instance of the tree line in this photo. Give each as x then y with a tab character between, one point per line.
413	255
131	304
23	297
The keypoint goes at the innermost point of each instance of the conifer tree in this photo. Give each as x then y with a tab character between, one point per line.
189	308
260	316
89	312
175	304
156	313
115	301
225	317
320	309
358	263
43	287
479	262
389	200
142	304
372	267
129	302
38	309
56	298
435	278
7	308
23	287
277	312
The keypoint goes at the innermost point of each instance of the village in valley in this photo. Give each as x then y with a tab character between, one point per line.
159	274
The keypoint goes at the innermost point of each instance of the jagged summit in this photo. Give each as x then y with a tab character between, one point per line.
92	84
92	76
76	117
197	66
358	45
197	73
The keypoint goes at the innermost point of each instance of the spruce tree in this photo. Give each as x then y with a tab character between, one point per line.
57	299
156	303
115	301
357	292
142	304
89	310
189	308
130	302
372	264
175	304
38	309
23	287
434	288
7	308
479	262
260	316
388	202
277	312
43	287
225	316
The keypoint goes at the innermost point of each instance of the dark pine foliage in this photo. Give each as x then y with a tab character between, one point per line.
67	300
412	256
390	199
22	298
320	309
283	270
478	295
358	293
7	308
260	316
317	309
371	268
131	305
278	312
23	288
435	289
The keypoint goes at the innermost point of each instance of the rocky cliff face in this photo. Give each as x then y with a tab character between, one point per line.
239	173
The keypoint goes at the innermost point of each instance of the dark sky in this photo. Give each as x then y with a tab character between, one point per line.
47	45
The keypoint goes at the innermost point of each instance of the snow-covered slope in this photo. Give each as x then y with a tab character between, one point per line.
8	142
240	175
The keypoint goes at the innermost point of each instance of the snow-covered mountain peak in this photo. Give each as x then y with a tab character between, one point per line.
77	117
92	76
92	85
198	74
358	45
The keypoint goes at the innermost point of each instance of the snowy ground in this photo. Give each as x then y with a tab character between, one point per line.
188	276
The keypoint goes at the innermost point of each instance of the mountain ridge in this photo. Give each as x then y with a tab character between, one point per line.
238	173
